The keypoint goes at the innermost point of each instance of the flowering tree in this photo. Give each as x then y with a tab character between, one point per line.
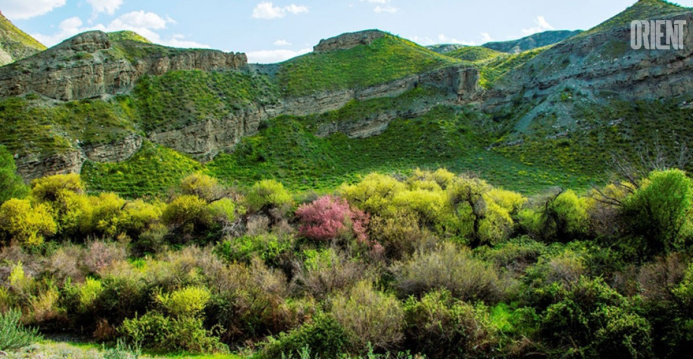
329	217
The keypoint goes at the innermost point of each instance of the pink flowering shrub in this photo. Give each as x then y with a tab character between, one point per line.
329	217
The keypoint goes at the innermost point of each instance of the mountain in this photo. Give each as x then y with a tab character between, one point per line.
110	105
15	44
444	48
531	42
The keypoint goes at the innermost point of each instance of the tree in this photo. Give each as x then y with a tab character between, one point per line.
329	217
11	185
659	211
27	225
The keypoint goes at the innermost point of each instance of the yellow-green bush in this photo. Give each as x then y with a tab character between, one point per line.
203	186
187	212
26	224
268	194
374	193
189	301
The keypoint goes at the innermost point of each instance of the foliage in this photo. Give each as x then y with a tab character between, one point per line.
187	212
202	186
189	301
268	194
11	184
443	326
330	217
660	211
369	316
13	335
324	335
451	268
388	58
25	223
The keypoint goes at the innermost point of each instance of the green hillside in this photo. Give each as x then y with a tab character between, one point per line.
15	44
126	35
386	59
474	53
643	9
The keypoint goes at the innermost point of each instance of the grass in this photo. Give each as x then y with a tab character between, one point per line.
181	98
474	53
16	42
643	9
493	70
386	59
126	35
150	172
37	127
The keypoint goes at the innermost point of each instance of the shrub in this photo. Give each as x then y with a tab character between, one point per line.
11	184
202	186
223	211
324	335
592	319
331	217
400	234
268	194
659	211
141	216
187	213
374	193
52	188
268	247
189	301
442	327
565	217
107	214
24	223
156	331
100	254
369	317
449	268
324	272
89	292
13	335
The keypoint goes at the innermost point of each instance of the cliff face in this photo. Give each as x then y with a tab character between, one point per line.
600	67
90	65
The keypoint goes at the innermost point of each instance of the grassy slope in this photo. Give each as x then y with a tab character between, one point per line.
151	171
386	59
54	129
180	98
643	9
474	53
16	42
497	67
126	35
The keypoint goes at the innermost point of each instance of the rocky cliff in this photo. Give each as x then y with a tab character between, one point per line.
89	65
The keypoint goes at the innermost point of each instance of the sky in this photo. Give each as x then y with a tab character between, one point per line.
273	31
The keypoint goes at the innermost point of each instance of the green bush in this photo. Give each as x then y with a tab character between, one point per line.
11	184
590	319
25	224
13	335
268	194
324	335
268	247
188	214
441	326
156	331
660	211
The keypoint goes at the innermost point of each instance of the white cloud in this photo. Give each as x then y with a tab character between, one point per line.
26	9
266	10
442	39
273	56
541	26
109	6
141	22
282	43
378	1
486	37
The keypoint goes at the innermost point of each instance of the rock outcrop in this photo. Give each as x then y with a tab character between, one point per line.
89	65
348	40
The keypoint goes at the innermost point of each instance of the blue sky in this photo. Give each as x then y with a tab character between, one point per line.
271	31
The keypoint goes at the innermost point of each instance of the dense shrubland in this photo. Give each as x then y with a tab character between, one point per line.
433	263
